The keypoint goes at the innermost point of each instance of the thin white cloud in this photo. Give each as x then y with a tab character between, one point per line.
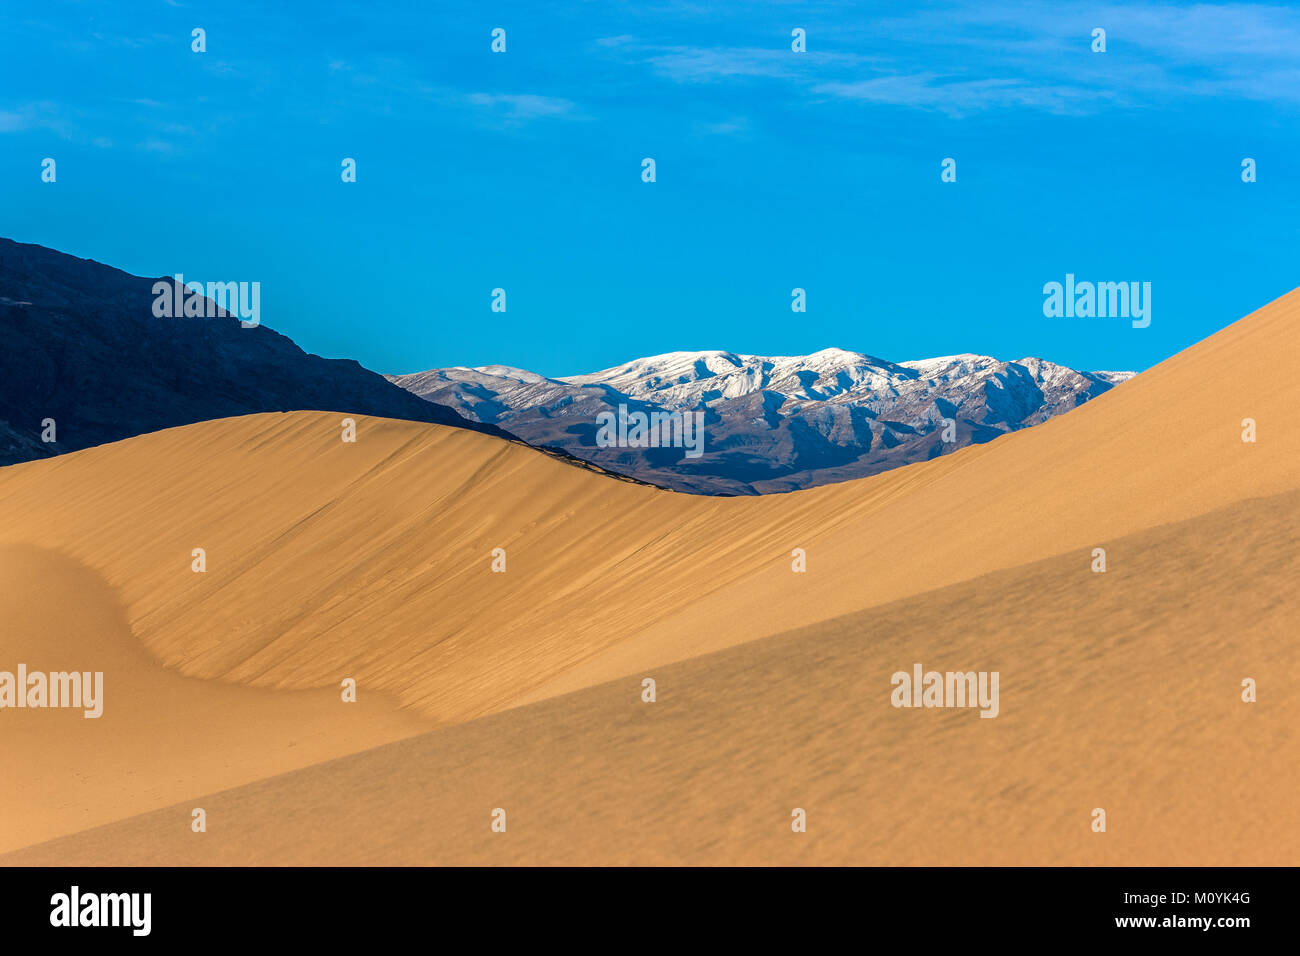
960	97
963	58
29	116
736	126
690	65
515	108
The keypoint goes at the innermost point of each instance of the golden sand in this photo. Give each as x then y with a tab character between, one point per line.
373	560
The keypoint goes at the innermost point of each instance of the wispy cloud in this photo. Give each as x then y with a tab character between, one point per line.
965	58
687	64
960	97
519	108
41	115
736	126
394	80
1039	55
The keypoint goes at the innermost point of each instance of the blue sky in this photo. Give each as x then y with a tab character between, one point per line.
775	170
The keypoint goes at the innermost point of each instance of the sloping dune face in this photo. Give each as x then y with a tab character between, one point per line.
157	737
1119	692
381	560
374	559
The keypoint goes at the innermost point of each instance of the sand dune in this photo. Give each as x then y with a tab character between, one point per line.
161	736
373	560
1119	690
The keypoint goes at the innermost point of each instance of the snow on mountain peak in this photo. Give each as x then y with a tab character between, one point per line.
776	422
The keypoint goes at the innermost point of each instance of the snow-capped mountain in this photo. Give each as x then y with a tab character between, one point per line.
772	423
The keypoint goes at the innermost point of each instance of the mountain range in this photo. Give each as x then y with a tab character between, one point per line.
85	351
647	678
771	423
83	348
